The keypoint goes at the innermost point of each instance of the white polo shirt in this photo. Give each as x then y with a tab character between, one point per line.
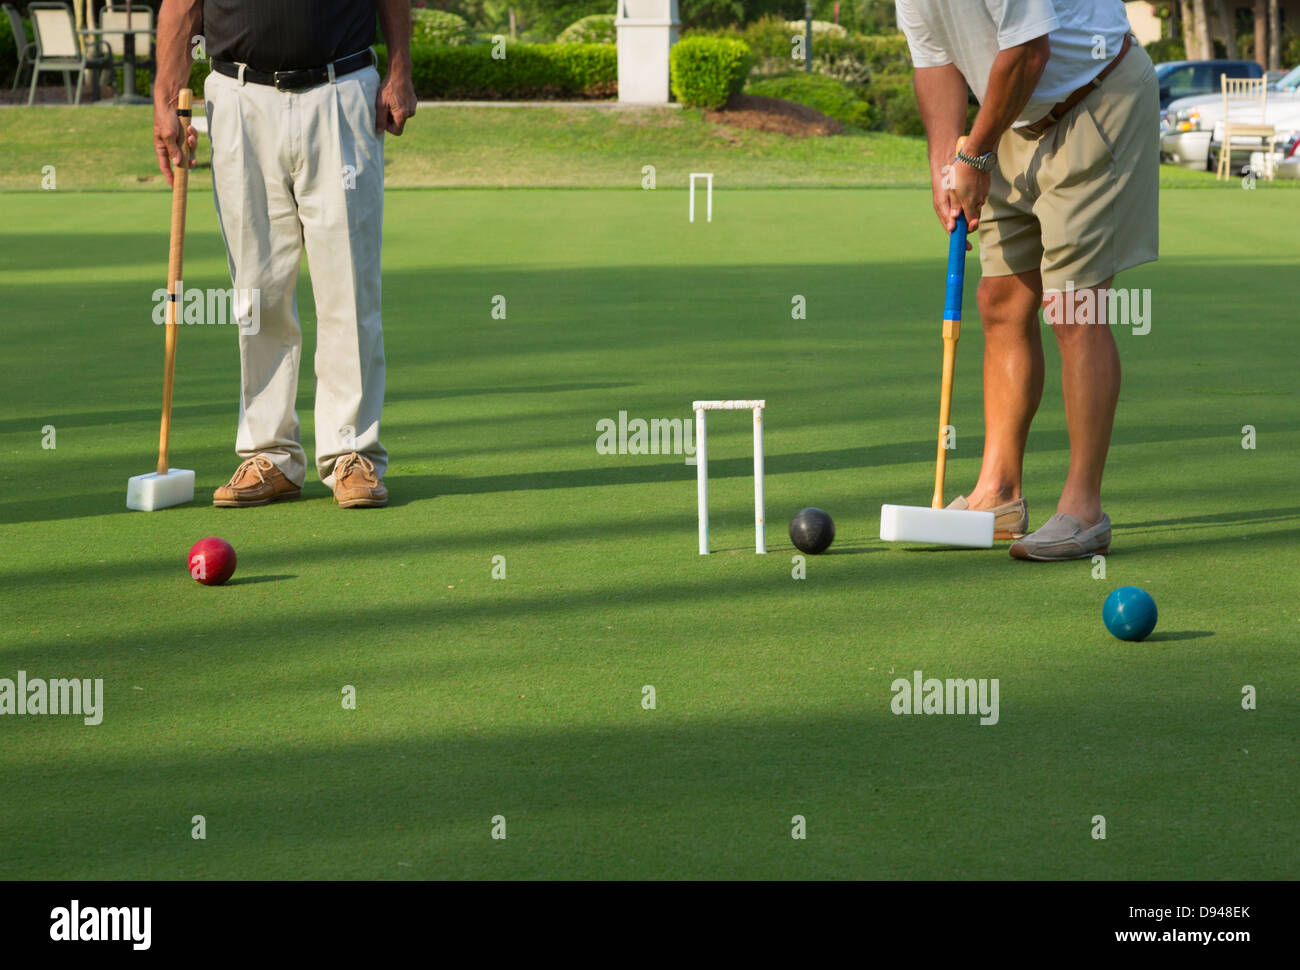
1085	36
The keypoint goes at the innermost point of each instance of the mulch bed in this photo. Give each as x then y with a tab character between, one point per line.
758	113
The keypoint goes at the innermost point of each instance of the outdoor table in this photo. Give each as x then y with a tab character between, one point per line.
127	95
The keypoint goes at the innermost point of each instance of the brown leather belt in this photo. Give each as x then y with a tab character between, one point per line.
1058	110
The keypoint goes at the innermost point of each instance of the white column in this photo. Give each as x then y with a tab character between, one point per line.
646	31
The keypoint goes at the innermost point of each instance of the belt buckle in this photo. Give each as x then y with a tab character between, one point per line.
283	82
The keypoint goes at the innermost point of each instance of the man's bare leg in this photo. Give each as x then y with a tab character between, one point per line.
1090	379
1013	382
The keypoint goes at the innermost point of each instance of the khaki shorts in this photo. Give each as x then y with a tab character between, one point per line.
1080	202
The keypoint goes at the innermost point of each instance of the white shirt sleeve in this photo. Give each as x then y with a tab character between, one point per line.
926	50
1020	21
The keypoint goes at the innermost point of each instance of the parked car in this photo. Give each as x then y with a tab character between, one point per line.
1186	79
1289	166
1187	125
1245	150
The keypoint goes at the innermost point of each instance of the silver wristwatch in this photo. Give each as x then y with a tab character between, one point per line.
983	163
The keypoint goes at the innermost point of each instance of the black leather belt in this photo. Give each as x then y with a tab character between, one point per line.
298	80
1058	110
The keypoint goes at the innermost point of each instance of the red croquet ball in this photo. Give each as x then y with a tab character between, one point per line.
212	561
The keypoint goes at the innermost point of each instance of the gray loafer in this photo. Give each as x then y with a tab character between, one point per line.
1061	538
1010	520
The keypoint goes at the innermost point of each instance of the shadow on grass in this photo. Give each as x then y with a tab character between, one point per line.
850	550
1220	518
663	795
407	489
428	608
249	580
1179	635
180	412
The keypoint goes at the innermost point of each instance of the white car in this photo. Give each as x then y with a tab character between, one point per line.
1189	125
1248	152
1289	166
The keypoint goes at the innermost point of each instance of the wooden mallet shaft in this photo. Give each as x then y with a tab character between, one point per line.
175	260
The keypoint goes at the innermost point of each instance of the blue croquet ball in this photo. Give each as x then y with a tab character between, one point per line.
1129	613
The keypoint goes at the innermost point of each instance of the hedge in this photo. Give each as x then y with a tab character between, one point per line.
144	80
852	58
895	99
470	72
527	71
843	102
438	27
597	29
1166	49
856	59
9	53
820	28
706	71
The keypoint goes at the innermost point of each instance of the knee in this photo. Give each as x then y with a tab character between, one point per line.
1005	301
1077	318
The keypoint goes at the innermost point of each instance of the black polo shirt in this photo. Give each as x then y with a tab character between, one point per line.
285	35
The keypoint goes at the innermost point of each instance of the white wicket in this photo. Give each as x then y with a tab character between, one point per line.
702	468
708	194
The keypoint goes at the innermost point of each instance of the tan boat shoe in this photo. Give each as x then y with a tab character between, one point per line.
1062	538
356	483
256	482
1010	521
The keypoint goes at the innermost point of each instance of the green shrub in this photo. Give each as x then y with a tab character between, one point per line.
885	53
857	58
8	53
144	79
543	22
717	14
1166	49
706	71
843	102
430	27
1291	51
527	71
895	99
595	29
771	42
847	57
820	28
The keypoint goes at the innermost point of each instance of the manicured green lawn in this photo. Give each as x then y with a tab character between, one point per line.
521	696
447	146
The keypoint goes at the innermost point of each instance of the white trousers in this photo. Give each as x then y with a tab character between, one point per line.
293	169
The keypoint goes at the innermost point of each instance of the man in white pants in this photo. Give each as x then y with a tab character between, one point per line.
296	116
1059	175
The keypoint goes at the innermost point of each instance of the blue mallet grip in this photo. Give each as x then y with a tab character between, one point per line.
956	269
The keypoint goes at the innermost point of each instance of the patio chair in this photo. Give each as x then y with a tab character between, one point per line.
113	16
59	48
1242	89
26	48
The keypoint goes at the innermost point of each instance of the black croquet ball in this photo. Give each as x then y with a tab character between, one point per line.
812	531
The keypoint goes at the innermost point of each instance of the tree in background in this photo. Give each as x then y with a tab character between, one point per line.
1261	31
1274	37
545	19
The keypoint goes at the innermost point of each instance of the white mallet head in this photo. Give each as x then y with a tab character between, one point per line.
147	493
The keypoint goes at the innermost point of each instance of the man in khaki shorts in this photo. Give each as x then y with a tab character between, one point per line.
296	115
1059	175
